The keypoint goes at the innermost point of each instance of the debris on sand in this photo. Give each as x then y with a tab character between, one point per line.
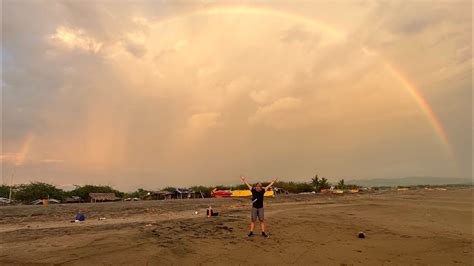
362	235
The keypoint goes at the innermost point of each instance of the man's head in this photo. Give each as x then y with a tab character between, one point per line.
258	186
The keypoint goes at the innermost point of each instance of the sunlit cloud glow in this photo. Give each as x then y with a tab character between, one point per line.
178	94
75	39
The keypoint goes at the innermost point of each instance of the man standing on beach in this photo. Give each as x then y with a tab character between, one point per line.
257	204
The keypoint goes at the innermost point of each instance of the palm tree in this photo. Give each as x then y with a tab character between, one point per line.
324	184
319	184
341	184
315	181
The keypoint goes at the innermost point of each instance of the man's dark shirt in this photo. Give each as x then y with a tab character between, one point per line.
258	195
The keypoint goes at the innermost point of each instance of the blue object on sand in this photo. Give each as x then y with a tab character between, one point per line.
80	217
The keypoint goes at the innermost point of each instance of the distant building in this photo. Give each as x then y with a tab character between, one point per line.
160	195
101	197
179	193
184	193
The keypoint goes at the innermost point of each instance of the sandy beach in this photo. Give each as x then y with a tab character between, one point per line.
403	228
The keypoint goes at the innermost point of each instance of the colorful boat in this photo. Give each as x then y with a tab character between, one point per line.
247	193
236	193
221	193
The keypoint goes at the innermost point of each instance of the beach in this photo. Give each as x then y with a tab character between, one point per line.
414	227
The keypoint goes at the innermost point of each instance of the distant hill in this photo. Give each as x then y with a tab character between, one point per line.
409	181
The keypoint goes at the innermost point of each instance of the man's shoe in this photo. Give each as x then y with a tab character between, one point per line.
265	235
250	234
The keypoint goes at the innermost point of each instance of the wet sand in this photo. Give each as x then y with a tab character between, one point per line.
403	228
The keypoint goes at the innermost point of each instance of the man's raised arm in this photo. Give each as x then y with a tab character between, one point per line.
245	182
270	185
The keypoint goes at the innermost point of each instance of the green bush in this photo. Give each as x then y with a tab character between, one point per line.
221	187
294	187
4	191
37	190
206	191
83	191
139	193
170	189
240	187
319	184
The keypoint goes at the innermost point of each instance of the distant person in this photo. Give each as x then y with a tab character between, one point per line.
210	212
79	218
257	204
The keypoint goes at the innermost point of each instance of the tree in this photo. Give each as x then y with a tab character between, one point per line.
324	184
241	187
139	193
4	191
83	191
315	181
295	187
304	187
38	190
206	191
170	189
341	184
222	187
319	184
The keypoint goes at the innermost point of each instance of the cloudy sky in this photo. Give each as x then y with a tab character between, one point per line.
156	93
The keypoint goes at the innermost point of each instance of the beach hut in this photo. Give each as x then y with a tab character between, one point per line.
184	193
159	195
101	197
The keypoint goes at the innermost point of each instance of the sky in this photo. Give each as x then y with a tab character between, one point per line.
157	93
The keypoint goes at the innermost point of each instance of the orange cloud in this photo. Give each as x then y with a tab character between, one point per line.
75	39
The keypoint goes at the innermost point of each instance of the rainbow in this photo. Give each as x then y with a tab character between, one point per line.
337	35
22	155
424	106
275	13
236	10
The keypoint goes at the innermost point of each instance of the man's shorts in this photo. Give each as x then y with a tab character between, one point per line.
257	212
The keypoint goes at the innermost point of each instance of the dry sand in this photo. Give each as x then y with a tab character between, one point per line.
403	228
